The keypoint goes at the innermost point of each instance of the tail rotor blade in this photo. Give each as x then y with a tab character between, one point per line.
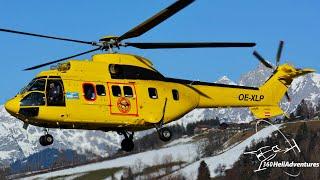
262	60
279	53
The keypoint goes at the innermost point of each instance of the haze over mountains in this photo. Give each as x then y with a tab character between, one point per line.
17	143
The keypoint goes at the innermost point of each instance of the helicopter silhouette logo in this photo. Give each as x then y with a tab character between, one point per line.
266	153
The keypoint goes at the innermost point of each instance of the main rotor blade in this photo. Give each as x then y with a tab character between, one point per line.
279	53
262	60
155	20
59	60
189	45
45	36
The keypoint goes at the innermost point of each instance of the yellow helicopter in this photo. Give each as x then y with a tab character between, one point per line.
125	93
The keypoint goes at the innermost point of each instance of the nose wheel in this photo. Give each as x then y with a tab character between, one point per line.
127	143
46	139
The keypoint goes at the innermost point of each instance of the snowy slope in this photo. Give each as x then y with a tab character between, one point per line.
185	152
181	149
228	157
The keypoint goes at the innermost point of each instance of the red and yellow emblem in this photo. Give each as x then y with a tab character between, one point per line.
123	105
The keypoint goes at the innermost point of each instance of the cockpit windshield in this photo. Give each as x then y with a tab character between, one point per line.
40	92
35	85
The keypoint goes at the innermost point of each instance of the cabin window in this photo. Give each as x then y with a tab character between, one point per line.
55	93
89	92
118	71
33	99
116	91
153	93
127	90
101	90
175	94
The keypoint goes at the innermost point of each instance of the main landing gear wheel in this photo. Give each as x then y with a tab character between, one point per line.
46	140
165	134
127	143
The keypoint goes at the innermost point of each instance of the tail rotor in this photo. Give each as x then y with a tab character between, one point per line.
270	66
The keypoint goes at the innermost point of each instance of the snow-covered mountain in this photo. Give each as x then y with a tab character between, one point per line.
225	80
17	143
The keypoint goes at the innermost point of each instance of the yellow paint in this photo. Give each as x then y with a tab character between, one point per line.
109	113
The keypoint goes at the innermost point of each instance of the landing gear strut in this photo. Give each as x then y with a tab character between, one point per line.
46	139
127	143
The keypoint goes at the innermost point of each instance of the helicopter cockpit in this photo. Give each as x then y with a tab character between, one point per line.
42	91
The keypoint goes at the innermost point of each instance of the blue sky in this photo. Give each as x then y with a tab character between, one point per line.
263	22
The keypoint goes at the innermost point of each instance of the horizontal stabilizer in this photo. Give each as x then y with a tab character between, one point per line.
261	112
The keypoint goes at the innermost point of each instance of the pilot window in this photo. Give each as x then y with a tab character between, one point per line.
175	94
38	85
101	90
33	99
89	92
127	90
153	93
35	85
116	91
55	93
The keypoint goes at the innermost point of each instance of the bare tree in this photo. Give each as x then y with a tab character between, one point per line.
167	161
203	171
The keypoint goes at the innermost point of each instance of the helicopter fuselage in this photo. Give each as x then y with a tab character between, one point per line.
119	91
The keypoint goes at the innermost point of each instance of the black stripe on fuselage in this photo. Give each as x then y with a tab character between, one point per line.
189	82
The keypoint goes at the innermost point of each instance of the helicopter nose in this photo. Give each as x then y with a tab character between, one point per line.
12	106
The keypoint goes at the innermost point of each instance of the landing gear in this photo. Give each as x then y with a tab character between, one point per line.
46	139
164	134
127	143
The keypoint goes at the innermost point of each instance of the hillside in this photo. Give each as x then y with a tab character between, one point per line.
180	158
184	150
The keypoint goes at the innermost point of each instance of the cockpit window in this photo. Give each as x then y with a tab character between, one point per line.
33	99
35	85
38	85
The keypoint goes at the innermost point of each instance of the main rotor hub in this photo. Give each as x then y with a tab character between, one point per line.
109	42
109	38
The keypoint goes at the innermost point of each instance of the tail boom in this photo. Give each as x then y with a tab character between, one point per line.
263	102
